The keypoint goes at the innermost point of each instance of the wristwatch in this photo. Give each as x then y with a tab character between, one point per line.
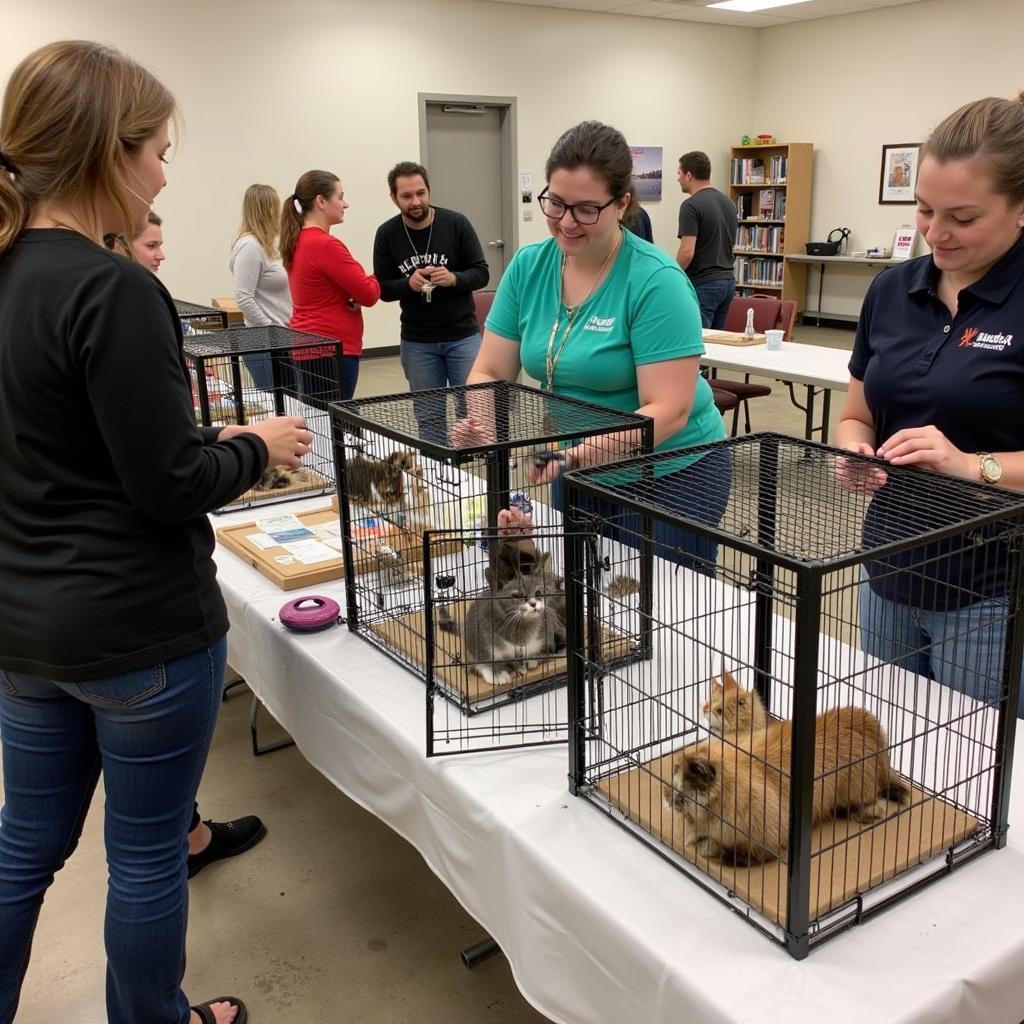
991	468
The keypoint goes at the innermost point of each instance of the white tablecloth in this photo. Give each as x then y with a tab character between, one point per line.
596	927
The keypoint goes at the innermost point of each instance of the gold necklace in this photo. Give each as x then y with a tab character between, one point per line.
553	355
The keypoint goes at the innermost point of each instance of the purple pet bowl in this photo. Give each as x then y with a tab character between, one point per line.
309	614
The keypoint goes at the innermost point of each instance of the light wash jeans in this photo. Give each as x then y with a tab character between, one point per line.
437	364
149	732
962	648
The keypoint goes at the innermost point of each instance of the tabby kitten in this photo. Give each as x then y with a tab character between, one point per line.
379	483
735	802
511	629
276	478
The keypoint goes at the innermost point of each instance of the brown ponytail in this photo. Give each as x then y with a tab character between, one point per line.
297	205
991	130
73	114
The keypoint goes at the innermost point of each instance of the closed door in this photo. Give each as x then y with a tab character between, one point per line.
464	154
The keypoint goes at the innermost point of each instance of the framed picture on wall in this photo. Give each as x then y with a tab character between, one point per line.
899	172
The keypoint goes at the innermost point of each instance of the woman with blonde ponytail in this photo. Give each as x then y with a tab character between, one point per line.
937	382
112	639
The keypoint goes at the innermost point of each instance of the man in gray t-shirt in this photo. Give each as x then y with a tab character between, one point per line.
707	234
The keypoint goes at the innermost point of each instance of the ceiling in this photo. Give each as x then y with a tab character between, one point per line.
696	10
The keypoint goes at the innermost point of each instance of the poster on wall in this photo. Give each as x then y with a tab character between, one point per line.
647	172
899	173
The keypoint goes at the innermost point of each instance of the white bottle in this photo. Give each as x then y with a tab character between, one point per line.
749	332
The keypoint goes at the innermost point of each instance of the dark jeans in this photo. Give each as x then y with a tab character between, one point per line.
318	382
714	298
149	732
699	491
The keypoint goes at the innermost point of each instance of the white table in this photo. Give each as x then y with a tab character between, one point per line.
814	366
843	262
598	929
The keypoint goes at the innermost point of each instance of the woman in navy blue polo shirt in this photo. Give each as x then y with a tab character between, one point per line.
937	382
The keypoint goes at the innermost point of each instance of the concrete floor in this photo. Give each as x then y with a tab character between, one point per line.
333	918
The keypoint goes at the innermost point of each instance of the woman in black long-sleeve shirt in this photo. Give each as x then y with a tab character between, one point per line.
112	638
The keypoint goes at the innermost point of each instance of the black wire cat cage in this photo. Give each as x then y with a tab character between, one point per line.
248	374
431	522
200	319
827	716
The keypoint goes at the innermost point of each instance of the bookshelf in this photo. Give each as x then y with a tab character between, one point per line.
771	187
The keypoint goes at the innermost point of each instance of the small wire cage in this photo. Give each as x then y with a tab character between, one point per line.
248	374
826	717
196	319
437	536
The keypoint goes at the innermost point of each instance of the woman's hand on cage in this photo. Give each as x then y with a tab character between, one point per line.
859	477
470	432
545	466
929	448
512	523
286	438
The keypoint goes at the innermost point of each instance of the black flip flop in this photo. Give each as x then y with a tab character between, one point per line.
206	1014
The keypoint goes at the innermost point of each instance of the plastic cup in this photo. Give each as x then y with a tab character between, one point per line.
773	340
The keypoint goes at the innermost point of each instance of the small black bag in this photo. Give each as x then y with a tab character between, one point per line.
830	247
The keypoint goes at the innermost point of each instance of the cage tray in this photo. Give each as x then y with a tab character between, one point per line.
733	338
407	633
847	857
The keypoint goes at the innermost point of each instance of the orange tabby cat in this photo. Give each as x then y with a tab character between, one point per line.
732	709
735	802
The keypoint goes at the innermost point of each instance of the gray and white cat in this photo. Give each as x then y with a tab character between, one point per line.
512	629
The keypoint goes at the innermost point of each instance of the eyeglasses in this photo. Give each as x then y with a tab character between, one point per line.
582	213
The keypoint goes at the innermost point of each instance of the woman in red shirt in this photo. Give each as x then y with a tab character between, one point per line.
328	286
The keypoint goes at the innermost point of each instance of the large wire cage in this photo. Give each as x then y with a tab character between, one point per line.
440	532
197	319
826	717
247	374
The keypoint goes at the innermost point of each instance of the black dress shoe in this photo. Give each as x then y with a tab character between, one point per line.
229	839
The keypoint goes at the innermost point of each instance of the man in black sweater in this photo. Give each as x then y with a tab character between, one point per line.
430	260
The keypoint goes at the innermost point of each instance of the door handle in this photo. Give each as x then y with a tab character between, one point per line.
496	244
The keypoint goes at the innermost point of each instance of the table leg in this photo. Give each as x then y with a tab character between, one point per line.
826	402
809	418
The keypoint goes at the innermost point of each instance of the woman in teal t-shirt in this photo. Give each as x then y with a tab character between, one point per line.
598	314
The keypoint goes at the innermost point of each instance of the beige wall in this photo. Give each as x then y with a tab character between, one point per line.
271	89
852	84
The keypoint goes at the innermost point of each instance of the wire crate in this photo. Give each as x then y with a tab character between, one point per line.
421	532
248	374
200	319
787	744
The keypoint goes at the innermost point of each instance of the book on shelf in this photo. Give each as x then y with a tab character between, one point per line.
750	171
758	270
759	238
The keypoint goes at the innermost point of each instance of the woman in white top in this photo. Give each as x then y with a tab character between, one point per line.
261	282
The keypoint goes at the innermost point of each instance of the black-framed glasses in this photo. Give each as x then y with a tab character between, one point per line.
582	213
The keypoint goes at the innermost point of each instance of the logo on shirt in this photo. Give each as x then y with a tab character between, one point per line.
428	259
602	325
975	338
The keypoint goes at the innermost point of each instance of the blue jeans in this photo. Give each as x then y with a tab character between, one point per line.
318	383
437	364
962	648
700	492
258	365
714	298
149	732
